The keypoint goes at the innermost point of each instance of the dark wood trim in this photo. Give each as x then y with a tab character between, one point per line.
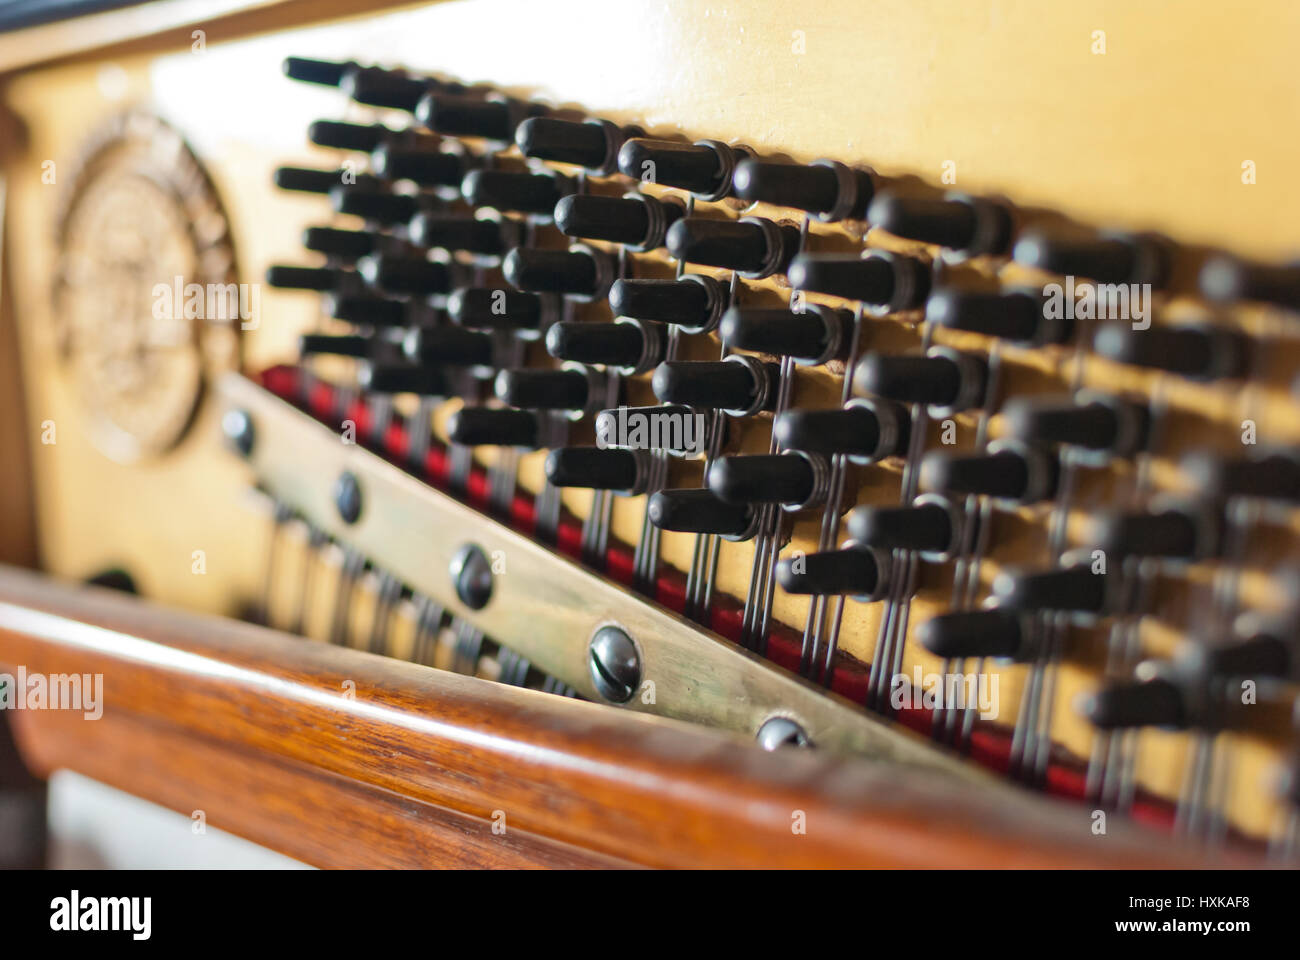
621	785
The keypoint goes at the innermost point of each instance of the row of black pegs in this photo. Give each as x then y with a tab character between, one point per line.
424	328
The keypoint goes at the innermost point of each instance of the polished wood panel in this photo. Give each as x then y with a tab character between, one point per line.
643	789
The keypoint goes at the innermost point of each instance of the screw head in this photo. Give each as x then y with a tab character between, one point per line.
782	732
347	497
471	576
615	664
237	426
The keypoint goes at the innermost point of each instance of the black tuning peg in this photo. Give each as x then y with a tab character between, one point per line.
632	345
704	167
1099	426
449	347
699	511
752	246
1225	279
391	89
741	386
492	427
442	231
581	272
544	389
794	479
1154	702
1271	475
377	206
403	378
593	144
1108	258
496	308
1077	587
516	192
944	379
1008	471
995	632
328	73
863	430
366	309
969	225
307	278
308	180
422	166
826	188
1197	351
888	282
812	336
593	468
931	526
1184	532
637	220
492	118
337	345
695	302
1016	315
1260	647
854	570
344	244
412	275
348	136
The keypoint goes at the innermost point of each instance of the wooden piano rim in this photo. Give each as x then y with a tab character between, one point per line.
254	728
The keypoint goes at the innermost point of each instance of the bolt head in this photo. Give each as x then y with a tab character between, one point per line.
615	664
471	576
237	426
782	732
347	497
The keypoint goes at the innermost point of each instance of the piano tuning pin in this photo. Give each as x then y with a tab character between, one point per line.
592	144
971	226
704	168
423	167
1196	351
794	479
348	136
500	308
864	430
694	303
740	386
1010	472
1153	702
1273	475
581	272
449	347
1106	258
343	345
888	282
308	180
344	244
366	310
854	570
826	188
389	378
516	192
305	278
491	118
390	89
489	426
377	206
931	526
1075	587
327	73
636	220
545	389
1226	279
414	275
593	468
945	380
629	345
1015	315
1184	532
994	632
1097	425
463	233
699	511
1259	648
811	336
752	246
